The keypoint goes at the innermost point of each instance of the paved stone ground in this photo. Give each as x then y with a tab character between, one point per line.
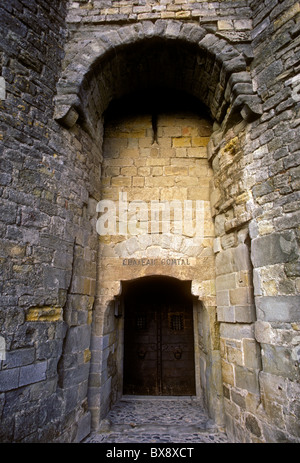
157	420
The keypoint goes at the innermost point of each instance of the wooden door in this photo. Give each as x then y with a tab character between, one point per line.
158	340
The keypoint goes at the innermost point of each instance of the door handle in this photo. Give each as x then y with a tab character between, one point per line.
177	353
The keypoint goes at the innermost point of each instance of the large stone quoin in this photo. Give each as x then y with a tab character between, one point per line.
134	105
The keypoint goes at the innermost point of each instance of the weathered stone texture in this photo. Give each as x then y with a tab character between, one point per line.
61	66
274	232
44	211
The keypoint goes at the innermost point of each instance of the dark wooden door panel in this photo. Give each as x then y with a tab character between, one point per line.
158	342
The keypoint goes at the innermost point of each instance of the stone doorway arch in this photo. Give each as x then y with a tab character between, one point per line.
181	57
109	346
200	361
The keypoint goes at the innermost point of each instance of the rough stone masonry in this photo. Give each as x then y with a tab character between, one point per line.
162	100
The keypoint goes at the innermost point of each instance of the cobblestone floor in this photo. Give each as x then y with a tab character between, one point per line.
157	420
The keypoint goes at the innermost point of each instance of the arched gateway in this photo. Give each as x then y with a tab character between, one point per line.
149	177
157	88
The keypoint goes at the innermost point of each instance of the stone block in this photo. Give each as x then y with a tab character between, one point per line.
34	218
51	349
253	425
236	331
275	413
76	375
232	415
224	25
170	131
264	332
8	212
121	181
20	357
129	171
173	29
227	373
234	354
71	398
200	141
32	373
293	427
220	224
228	240
233	260
182	142
288	221
9	379
238	399
55	278
157	171
277	360
263	188
199	152
278	308
242	24
217	246
245	314
176	170
159	182
44	314
225	262
292	269
252	357
274	248
226	314
78	339
167	194
242	258
273	387
26	422
83	427
241	296
223	298
196	193
247	379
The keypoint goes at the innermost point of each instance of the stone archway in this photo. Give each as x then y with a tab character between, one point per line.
215	71
180	57
108	350
51	187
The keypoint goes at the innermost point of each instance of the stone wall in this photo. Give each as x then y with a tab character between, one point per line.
274	229
240	352
47	240
227	17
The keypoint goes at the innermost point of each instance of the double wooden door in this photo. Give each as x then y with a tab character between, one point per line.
158	341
